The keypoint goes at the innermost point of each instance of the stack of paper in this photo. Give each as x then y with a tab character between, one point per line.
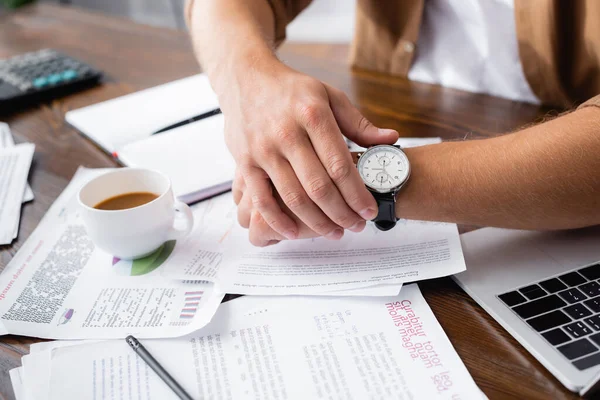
60	286
260	348
15	162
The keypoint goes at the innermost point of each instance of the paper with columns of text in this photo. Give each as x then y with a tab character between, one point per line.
6	141
14	168
294	347
59	285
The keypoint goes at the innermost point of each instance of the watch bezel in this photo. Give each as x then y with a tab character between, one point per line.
375	148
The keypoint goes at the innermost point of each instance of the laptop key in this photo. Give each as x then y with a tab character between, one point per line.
572	279
539	306
595	338
551	320
572	295
532	292
587	362
553	285
592	272
577	329
594	322
556	336
593	304
578	348
591	288
577	311
512	298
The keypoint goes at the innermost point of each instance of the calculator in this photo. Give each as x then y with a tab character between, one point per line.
40	76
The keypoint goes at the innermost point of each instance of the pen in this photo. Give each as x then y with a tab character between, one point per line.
156	367
190	120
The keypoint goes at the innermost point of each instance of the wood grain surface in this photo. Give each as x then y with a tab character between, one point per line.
135	57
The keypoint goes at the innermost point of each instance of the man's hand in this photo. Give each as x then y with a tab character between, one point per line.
285	129
260	233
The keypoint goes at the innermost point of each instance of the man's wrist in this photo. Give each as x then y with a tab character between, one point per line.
238	67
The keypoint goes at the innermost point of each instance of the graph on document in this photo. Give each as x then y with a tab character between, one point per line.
191	304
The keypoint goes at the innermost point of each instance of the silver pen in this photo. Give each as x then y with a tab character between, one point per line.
156	367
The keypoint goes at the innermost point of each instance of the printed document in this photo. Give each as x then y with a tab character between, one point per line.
293	347
218	250
60	286
14	169
6	140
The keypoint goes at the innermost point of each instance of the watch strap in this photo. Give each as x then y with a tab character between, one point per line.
386	216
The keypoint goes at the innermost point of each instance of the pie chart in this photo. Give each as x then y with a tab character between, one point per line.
142	266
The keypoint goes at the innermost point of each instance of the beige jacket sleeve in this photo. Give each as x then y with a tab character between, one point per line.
284	11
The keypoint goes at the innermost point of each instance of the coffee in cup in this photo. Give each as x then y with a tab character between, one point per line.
131	212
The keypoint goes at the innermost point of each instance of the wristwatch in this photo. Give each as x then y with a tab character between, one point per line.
384	169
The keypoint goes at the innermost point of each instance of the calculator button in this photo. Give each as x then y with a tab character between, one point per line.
69	74
54	79
40	82
587	362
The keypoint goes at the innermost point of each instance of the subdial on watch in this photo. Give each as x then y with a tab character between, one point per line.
381	177
384	161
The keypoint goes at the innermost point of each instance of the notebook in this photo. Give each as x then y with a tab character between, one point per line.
194	156
189	154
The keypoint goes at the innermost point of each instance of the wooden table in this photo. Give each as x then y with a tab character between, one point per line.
136	57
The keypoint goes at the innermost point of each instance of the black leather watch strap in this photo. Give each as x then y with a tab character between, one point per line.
386	217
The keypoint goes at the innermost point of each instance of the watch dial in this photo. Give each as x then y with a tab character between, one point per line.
383	168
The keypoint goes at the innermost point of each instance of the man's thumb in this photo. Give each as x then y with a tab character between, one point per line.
354	125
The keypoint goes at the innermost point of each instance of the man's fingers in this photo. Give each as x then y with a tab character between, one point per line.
244	211
261	194
238	187
298	201
320	187
354	125
331	149
261	233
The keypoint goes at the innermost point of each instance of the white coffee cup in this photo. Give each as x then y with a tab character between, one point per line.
133	232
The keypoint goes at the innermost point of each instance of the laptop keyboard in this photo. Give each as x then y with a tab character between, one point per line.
565	310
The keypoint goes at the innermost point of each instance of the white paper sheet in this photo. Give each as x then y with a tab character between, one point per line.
16	379
7	140
14	168
404	142
296	348
127	119
412	251
60	286
194	156
218	250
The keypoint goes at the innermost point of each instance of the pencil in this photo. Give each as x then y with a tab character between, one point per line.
156	367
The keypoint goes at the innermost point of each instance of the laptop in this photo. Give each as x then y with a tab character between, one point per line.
544	289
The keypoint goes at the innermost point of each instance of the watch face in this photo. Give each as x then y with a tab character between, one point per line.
383	168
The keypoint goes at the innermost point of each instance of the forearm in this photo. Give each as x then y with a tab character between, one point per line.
231	36
544	177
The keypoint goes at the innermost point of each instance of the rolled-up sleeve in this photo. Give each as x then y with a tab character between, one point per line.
284	11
